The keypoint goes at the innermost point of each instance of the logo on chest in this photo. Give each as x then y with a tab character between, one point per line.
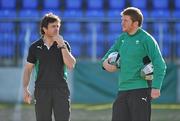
39	47
137	42
122	41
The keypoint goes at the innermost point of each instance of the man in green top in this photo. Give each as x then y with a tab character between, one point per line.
134	98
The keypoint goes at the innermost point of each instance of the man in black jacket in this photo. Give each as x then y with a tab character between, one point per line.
50	56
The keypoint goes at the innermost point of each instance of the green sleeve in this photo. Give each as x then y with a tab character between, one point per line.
158	62
114	47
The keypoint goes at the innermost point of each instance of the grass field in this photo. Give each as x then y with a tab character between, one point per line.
87	113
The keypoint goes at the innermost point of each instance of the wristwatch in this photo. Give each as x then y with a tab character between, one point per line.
62	46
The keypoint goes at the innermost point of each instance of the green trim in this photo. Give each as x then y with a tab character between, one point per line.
36	69
65	72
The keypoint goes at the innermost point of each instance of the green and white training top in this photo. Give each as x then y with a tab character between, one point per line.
132	49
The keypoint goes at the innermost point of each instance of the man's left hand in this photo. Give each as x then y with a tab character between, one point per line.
59	39
155	93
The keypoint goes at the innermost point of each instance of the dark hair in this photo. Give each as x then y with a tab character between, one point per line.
48	18
134	13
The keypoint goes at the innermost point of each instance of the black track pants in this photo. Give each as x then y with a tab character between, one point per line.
133	105
50	100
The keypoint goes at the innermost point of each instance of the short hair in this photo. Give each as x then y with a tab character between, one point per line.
48	18
134	13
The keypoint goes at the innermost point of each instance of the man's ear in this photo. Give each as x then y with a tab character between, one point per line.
136	23
44	29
